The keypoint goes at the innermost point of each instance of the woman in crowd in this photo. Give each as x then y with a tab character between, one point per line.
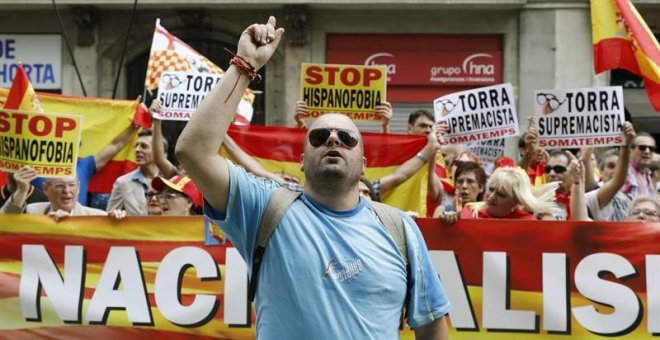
153	202
645	209
470	183
509	194
179	196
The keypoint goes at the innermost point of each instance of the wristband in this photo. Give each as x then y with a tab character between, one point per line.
420	156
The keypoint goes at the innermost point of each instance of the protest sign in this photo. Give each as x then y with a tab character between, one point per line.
481	114
579	117
46	141
352	90
180	93
169	53
488	151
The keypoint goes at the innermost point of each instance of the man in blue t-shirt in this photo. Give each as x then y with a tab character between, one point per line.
331	270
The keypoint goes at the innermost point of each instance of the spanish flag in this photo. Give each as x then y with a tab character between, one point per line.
278	149
622	40
21	95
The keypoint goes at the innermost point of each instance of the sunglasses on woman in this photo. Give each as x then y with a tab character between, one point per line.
318	137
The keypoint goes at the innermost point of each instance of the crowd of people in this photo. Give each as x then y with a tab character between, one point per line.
459	185
618	184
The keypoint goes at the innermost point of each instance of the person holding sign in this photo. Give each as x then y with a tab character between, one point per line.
330	266
62	196
383	111
607	202
34	195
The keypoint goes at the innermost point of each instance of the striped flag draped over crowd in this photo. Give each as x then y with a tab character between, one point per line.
169	53
278	149
622	40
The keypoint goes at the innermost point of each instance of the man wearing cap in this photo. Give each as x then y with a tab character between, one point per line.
331	269
179	196
62	196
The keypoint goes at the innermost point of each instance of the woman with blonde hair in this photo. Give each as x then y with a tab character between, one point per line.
509	194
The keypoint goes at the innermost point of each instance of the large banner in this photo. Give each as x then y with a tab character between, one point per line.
93	277
353	90
278	149
578	118
48	142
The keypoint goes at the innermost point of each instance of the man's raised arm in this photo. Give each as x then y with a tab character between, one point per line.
198	145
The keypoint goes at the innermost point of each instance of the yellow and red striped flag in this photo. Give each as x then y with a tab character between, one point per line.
622	40
278	149
21	95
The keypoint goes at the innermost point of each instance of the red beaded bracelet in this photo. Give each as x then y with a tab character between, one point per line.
244	66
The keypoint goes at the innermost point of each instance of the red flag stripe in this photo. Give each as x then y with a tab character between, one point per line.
18	88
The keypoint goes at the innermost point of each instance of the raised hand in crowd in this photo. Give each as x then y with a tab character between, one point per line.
258	43
384	112
301	113
576	174
533	154
450	217
607	203
441	128
167	169
23	177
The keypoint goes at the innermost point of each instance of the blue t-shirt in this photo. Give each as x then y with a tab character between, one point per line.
85	169
329	274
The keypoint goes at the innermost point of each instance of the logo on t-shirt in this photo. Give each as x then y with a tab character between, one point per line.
343	270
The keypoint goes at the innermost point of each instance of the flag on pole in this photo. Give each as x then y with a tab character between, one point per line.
21	94
622	40
169	53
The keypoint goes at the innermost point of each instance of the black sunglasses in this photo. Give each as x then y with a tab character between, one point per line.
643	148
318	137
559	169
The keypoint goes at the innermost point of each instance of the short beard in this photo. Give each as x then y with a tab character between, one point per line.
330	182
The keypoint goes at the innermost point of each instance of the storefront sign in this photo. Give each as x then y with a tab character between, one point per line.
41	55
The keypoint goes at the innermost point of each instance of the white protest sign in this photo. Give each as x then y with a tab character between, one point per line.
480	114
180	93
488	151
579	117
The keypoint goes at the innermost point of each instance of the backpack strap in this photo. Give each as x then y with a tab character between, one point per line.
393	223
278	204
